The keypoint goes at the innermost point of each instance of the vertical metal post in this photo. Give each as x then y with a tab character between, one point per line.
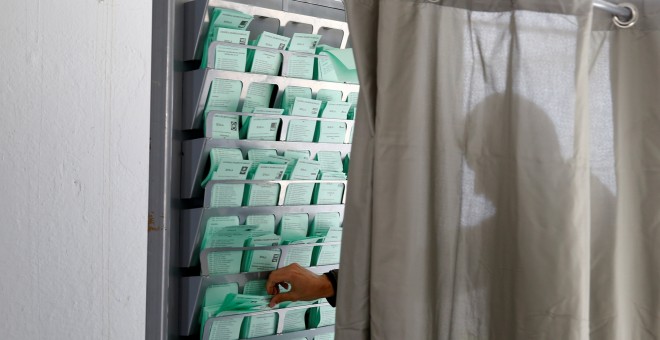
164	171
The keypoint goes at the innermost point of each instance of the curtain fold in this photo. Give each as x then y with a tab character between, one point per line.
505	173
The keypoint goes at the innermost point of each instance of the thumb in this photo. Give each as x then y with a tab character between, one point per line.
282	297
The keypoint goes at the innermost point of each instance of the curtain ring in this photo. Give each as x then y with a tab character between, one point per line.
634	16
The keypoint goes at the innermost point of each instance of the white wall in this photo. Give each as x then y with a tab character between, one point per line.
74	134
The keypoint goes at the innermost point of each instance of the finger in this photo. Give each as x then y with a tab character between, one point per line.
278	276
274	279
273	290
282	297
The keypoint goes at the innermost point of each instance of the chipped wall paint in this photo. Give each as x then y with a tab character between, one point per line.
74	146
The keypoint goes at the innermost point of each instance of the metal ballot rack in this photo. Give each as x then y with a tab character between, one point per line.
179	207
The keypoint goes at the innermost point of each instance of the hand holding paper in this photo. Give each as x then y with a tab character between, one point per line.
304	285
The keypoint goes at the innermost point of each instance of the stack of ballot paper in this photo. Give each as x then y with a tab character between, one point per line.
322	316
297	154
230	58
223	126
293	229
327	336
261	260
301	169
326	95
302	66
263	221
331	169
258	95
330	161
224	95
329	193
323	222
293	226
294	320
265	194
267	62
336	65
300	255
257	156
227	164
331	131
262	128
229	262
252	326
228	19
303	130
211	307
291	93
352	99
327	255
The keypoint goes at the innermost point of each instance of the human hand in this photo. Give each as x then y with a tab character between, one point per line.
305	285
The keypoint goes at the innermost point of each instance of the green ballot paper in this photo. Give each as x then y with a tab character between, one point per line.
214	224
322	316
224	126
261	260
255	287
268	62
353	100
301	130
226	329
223	18
229	195
217	154
291	93
300	255
330	161
294	320
228	262
327	255
347	161
259	325
216	294
329	193
265	194
326	95
297	154
323	222
327	336
305	107
231	58
258	96
302	66
264	127
330	132
336	110
301	193
339	66
264	221
293	226
257	156
224	95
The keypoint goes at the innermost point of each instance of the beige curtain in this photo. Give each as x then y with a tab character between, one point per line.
505	173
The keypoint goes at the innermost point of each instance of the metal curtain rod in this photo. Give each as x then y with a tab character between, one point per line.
625	14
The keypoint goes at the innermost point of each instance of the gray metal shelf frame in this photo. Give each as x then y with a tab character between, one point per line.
197	84
196	155
193	223
199	12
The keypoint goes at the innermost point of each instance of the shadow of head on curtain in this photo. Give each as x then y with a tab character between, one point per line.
527	213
